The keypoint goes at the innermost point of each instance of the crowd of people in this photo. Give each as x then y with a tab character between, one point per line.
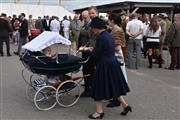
109	43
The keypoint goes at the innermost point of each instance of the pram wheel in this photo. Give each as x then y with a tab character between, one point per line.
44	98
30	92
32	88
68	93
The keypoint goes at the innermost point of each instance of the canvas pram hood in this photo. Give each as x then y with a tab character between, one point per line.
45	39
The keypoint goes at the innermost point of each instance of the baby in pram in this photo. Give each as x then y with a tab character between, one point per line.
41	59
51	79
54	80
48	52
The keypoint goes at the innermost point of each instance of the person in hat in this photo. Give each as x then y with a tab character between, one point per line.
108	80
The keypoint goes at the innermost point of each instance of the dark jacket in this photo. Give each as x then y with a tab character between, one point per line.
45	25
173	35
4	28
86	37
24	28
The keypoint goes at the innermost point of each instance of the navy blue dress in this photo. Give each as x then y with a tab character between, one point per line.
108	80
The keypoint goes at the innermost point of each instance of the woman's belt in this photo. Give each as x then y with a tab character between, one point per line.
152	37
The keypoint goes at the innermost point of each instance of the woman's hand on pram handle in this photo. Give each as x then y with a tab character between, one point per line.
82	48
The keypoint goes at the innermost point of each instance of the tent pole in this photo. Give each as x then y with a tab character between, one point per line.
39	2
60	2
171	16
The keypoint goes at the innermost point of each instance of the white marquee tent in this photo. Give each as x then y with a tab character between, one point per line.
34	10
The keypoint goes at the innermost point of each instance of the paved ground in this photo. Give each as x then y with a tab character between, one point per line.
155	95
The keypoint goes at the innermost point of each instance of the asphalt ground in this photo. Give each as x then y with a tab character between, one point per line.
155	95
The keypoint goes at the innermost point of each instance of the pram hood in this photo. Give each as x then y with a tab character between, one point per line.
45	39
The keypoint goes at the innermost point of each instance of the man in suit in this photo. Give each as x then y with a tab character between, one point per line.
23	30
173	41
45	23
5	29
86	39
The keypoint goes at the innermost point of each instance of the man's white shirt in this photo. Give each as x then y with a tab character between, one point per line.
66	25
55	25
135	26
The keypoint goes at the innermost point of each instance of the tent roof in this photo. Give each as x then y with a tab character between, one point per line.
34	10
146	6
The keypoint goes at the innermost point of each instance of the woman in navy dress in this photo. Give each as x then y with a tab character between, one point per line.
108	80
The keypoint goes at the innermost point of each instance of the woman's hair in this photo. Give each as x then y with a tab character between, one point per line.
115	18
154	26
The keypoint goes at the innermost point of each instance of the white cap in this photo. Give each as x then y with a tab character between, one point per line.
163	14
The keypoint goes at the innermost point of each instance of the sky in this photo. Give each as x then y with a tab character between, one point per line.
75	4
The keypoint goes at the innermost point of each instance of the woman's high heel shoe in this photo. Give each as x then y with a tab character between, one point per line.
100	116
126	110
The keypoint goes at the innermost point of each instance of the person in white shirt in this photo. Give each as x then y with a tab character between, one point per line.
134	30
66	26
55	25
153	34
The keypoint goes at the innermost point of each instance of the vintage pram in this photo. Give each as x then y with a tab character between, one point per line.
52	80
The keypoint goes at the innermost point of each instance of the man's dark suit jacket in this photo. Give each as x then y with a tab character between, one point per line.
24	28
4	28
45	25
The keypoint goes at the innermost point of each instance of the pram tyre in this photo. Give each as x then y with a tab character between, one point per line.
31	89
47	95
68	93
30	92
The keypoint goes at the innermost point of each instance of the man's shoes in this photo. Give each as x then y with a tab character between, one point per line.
171	68
150	66
9	54
2	54
178	68
113	103
16	53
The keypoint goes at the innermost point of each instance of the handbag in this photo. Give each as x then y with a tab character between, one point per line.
120	59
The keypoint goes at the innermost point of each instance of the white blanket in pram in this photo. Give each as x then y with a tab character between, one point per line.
45	39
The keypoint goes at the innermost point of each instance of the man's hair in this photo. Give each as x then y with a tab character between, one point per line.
133	15
3	15
23	14
93	7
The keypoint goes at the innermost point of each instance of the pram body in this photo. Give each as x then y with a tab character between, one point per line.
39	90
39	63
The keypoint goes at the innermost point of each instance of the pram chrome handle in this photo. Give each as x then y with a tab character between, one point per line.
82	62
37	57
